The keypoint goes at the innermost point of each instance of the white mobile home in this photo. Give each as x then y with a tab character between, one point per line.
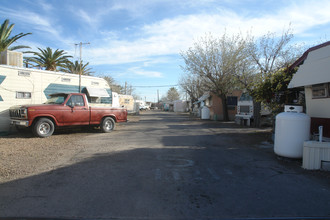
313	75
31	86
127	101
180	106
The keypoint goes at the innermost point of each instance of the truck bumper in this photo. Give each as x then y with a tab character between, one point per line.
23	123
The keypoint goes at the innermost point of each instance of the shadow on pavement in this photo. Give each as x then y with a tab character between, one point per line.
167	183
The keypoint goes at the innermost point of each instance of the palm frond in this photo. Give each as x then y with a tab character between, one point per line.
6	40
19	47
50	60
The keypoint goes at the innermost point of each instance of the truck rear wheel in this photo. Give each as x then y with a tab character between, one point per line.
107	125
44	127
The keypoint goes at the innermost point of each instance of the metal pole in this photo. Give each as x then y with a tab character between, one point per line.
80	62
80	45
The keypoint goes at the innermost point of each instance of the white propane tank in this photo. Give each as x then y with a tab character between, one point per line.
292	128
205	113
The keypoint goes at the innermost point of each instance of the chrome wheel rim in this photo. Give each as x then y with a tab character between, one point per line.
44	128
108	125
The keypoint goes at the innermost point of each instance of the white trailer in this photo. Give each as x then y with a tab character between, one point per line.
245	110
180	106
31	86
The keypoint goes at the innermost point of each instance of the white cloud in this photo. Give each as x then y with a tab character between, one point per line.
142	72
170	36
37	22
90	19
45	5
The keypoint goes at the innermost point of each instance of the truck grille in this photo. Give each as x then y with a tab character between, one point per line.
245	109
16	113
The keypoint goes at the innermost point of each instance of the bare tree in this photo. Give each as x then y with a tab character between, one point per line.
113	84
270	53
216	62
192	85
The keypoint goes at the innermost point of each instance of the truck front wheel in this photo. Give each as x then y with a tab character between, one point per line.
107	125
43	128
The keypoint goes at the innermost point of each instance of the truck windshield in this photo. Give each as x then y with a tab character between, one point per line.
56	99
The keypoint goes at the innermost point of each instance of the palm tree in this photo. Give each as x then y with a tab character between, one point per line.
6	40
49	60
75	68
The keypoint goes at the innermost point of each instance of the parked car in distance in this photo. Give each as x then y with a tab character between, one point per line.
144	107
65	109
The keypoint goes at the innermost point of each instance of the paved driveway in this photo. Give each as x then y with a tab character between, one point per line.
169	166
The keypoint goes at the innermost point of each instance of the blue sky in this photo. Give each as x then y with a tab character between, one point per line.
139	41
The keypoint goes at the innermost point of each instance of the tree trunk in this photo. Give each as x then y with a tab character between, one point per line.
224	107
256	114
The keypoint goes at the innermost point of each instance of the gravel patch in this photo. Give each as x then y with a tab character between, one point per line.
22	154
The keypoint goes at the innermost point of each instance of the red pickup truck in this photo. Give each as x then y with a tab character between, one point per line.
65	109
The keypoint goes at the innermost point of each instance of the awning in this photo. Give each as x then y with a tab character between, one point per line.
97	92
314	70
204	97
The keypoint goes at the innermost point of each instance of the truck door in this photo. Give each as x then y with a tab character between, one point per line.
77	112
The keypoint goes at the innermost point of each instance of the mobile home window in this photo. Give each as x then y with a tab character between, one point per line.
23	95
126	101
319	91
24	73
232	100
65	79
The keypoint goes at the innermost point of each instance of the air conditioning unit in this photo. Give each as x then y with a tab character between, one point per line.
11	58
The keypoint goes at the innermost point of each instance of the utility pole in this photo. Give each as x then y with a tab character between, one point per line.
80	53
158	96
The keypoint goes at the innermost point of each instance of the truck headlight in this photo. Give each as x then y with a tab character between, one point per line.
23	112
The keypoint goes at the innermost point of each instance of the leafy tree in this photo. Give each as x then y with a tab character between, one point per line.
273	90
172	94
269	54
6	41
76	68
50	60
216	61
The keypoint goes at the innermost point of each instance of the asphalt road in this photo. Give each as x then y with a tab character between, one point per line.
169	166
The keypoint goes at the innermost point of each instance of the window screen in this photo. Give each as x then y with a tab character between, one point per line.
232	100
23	95
319	91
